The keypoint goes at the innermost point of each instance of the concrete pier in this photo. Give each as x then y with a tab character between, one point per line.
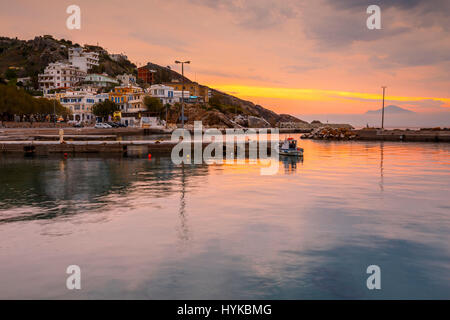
404	135
99	147
47	147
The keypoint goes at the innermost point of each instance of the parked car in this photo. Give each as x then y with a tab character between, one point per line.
101	125
113	124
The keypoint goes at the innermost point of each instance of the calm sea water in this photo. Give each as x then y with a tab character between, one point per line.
148	229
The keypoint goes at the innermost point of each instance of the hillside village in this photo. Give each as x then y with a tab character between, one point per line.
79	77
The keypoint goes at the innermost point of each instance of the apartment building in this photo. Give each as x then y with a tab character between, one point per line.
80	103
146	74
167	94
100	80
197	92
60	75
83	59
126	79
129	98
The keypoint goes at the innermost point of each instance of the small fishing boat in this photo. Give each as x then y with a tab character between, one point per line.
288	147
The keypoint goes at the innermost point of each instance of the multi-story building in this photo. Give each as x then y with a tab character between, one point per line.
126	79
60	75
162	92
82	59
146	74
196	91
129	98
167	94
80	103
131	102
100	80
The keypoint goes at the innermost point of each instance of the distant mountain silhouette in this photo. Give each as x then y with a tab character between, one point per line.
391	109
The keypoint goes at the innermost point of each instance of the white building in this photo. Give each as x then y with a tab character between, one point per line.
167	94
178	95
80	103
82	59
60	75
126	79
100	80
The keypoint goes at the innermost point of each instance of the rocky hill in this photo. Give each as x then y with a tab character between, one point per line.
166	74
28	58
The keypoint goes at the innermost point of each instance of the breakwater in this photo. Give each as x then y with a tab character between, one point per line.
369	134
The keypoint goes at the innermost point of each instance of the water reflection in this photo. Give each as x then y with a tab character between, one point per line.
54	187
290	163
381	165
183	230
144	228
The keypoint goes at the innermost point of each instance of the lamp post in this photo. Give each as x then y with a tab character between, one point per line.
382	110
182	89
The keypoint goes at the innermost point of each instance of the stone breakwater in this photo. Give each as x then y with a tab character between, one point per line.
330	133
369	134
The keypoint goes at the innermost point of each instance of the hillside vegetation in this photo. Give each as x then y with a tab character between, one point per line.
28	58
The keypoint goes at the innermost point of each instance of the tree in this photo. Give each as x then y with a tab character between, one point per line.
16	101
104	109
153	104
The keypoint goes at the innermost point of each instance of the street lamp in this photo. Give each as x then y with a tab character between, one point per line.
382	111
182	89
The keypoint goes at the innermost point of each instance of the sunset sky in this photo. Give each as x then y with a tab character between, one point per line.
300	57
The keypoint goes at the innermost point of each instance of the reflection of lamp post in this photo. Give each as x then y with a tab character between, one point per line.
54	108
184	229
167	107
382	111
182	89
